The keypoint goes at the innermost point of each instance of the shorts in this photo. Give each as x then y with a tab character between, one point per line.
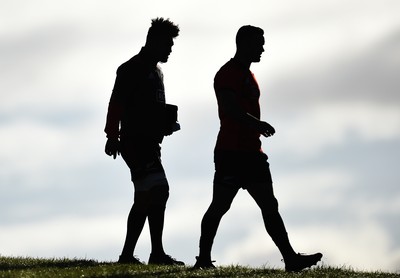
241	169
144	162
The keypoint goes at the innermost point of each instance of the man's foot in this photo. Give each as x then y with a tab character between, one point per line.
202	263
300	262
164	260
128	260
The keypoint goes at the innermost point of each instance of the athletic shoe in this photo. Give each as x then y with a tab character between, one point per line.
300	262
164	260
129	260
203	263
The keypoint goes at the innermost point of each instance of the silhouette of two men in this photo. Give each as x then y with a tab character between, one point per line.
138	118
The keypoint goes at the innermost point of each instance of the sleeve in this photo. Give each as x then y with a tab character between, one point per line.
113	119
115	107
227	79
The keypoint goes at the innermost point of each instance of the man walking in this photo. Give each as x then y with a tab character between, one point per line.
137	120
239	159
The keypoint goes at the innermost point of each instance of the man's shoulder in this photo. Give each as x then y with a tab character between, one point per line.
229	72
136	64
230	67
227	66
130	65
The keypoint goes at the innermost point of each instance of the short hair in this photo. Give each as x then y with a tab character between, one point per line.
247	33
161	27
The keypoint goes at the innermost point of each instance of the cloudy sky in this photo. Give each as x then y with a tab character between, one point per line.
330	87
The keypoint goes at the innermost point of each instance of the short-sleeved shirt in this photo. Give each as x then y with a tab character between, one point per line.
234	136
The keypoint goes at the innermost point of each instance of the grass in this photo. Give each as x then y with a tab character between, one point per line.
37	267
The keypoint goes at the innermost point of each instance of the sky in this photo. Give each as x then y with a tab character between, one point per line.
330	87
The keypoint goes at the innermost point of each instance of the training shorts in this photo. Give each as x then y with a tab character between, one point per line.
241	169
144	162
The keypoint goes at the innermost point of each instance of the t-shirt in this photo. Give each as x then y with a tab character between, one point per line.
137	106
234	136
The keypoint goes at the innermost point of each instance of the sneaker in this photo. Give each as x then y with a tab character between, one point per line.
128	260
300	262
164	260
203	263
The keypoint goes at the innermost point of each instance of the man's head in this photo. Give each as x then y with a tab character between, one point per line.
250	43
160	38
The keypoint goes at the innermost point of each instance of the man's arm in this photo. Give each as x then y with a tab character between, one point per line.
112	128
114	115
231	108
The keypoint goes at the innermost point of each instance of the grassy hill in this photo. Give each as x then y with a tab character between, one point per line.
36	267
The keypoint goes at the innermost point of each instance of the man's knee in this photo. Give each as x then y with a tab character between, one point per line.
270	207
223	194
154	198
159	195
218	208
141	201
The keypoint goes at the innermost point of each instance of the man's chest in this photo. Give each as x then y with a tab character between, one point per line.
249	90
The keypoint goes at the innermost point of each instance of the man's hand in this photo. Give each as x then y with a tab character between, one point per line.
263	127
266	129
172	128
112	147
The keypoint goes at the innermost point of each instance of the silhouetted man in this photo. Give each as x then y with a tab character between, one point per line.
238	157
138	118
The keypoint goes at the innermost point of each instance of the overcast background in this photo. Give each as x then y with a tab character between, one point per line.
330	86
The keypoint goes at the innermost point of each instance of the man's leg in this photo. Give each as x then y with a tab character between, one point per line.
223	196
159	197
136	219
263	195
158	189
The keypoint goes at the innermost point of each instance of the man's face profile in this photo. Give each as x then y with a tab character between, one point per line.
164	48
256	48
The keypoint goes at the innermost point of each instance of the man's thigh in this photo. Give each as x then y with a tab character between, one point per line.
158	195
144	162
242	169
263	195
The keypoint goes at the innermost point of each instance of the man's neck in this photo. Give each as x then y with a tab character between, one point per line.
149	56
242	60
